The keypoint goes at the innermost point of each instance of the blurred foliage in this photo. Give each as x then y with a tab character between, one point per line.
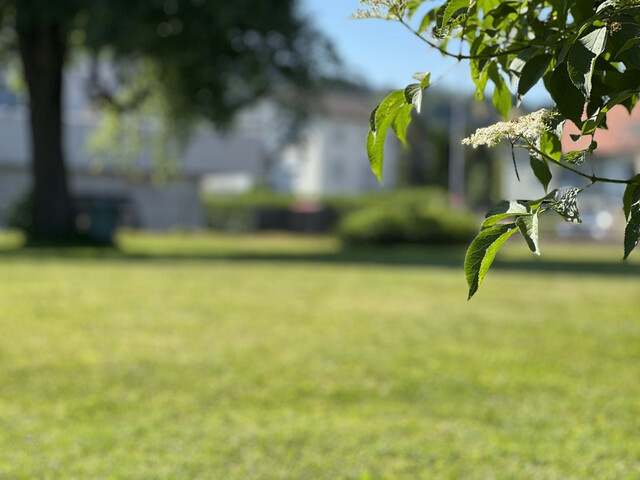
425	161
19	214
418	215
200	57
173	61
238	213
412	216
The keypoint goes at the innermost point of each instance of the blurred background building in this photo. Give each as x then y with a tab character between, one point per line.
324	155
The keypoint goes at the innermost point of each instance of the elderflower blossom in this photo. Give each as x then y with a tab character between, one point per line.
379	8
529	127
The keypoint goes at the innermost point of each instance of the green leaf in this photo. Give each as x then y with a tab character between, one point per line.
381	119
395	112
541	170
452	7
401	122
548	198
413	92
505	209
413	95
606	4
569	100
576	157
479	79
630	43
593	122
501	94
632	230
631	206
482	252
424	78
532	72
582	57
528	226
503	12
631	196
518	63
567	206
551	145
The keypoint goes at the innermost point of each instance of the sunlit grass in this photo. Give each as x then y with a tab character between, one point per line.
286	358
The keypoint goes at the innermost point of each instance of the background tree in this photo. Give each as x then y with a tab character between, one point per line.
426	159
195	57
586	53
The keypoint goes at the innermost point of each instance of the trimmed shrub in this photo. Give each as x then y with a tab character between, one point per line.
241	213
411	217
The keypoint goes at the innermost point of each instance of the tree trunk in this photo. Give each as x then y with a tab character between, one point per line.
42	50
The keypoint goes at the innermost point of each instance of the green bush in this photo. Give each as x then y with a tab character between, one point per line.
412	216
238	213
418	215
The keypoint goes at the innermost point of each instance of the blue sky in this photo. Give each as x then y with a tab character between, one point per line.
384	52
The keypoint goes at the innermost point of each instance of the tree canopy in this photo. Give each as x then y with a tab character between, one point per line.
587	55
202	58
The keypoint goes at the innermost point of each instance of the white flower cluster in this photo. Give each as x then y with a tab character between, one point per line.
529	127
379	8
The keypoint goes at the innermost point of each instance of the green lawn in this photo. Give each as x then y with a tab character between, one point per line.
281	358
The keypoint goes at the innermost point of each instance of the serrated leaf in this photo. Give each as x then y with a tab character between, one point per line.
567	206
631	196
505	209
501	94
632	231
576	157
528	226
582	57
568	99
382	118
518	63
413	95
450	8
551	145
424	79
590	125
548	198
532	72
479	78
541	170
482	252
630	103
394	111
401	122
630	43
606	4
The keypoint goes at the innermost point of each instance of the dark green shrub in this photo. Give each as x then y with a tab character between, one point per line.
418	217
239	213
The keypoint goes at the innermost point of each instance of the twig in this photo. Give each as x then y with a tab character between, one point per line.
591	178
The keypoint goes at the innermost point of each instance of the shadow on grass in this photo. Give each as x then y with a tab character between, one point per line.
439	257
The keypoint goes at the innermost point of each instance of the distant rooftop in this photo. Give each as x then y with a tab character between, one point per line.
621	138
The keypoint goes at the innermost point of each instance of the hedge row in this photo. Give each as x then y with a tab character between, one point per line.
390	217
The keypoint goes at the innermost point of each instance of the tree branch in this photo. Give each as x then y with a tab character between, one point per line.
460	56
591	178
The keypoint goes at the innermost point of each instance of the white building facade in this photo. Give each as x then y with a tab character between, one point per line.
328	156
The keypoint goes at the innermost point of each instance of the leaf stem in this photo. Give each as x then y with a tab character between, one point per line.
513	157
591	178
460	56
